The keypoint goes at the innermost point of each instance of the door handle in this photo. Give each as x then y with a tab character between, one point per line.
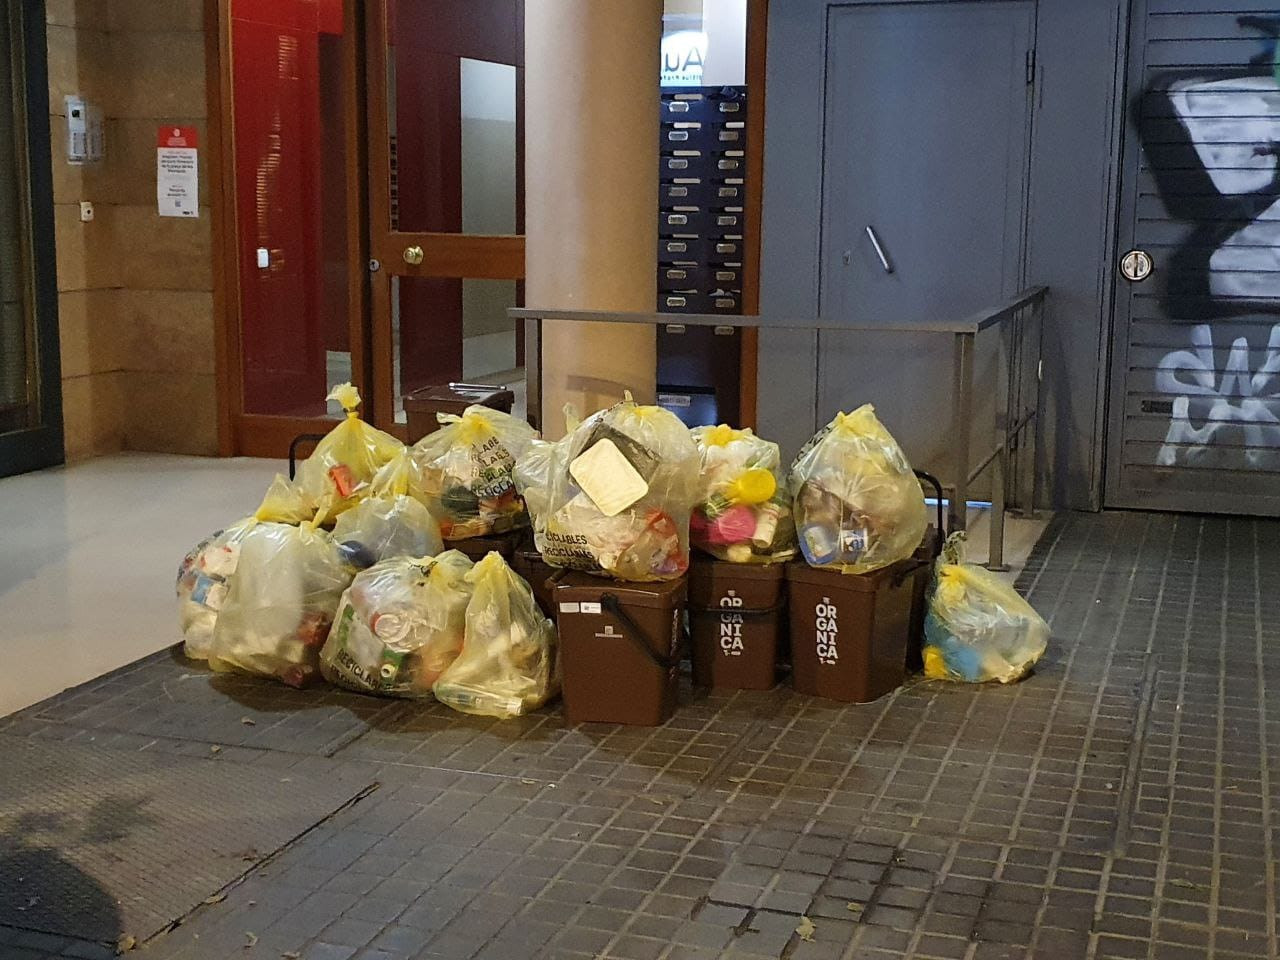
1136	265
875	242
413	255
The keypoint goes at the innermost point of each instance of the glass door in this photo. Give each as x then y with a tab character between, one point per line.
299	262
30	378
446	195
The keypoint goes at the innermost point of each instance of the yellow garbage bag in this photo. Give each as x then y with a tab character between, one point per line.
532	472
399	625
621	488
858	505
401	476
344	463
379	528
204	577
466	469
508	662
280	604
978	628
284	503
744	510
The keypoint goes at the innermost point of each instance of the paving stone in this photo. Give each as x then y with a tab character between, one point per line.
1124	789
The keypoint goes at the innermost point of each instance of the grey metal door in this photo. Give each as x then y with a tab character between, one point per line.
928	123
1194	416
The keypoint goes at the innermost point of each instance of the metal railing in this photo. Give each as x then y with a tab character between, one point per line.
1012	457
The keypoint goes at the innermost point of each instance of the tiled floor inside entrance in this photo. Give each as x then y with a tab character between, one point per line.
1116	804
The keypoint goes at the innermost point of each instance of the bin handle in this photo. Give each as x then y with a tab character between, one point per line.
907	571
934	482
298	441
633	633
740	611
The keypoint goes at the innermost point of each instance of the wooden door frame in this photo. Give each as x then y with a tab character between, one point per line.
444	255
34	447
262	435
447	255
753	208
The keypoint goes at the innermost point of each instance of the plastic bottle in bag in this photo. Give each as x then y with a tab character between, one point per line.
281	603
744	511
203	580
378	529
466	469
858	505
978	628
508	662
399	625
621	489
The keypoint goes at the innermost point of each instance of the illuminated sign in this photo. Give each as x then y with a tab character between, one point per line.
683	53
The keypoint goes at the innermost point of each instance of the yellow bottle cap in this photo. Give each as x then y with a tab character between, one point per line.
754	485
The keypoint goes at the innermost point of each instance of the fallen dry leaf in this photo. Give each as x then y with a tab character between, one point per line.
291	955
805	929
855	907
737	779
249	721
215	749
216	898
125	943
251	939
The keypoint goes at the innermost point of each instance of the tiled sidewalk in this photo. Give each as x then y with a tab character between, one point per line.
1116	804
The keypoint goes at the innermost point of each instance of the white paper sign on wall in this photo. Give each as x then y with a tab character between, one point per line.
177	172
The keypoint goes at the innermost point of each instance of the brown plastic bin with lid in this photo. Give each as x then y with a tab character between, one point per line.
619	648
528	562
735	619
849	632
422	405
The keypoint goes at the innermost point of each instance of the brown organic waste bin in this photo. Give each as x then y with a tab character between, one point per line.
529	564
849	632
423	404
735	618
619	648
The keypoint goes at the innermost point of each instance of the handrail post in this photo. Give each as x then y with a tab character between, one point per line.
1039	408
1006	421
999	477
961	426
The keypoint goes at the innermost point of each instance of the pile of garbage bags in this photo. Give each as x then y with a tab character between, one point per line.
342	573
345	574
471	635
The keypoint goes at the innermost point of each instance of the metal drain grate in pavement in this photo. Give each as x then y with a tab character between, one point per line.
98	844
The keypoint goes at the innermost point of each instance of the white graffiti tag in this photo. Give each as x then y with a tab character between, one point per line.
1246	401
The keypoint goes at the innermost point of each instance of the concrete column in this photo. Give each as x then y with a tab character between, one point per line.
591	194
